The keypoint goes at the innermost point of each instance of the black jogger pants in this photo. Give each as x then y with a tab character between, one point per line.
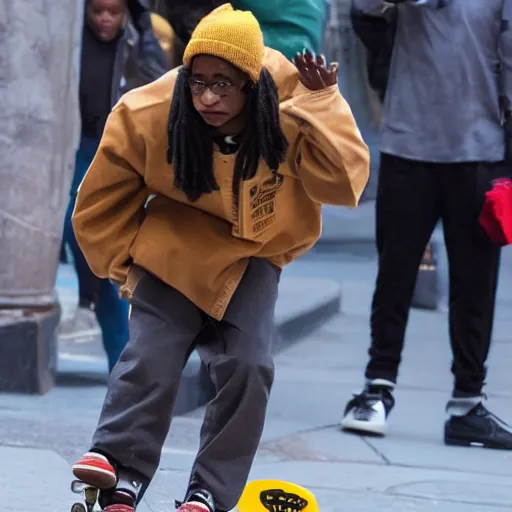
412	197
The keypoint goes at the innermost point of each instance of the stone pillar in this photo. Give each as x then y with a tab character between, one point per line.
39	127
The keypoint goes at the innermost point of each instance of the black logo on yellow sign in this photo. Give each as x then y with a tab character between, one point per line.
277	500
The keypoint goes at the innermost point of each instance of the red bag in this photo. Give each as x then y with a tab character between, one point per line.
496	214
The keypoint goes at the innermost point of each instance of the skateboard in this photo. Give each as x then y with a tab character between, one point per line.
90	496
258	496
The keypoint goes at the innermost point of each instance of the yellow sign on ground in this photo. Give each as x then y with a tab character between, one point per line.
276	496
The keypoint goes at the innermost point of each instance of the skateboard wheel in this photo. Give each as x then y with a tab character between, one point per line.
78	507
77	486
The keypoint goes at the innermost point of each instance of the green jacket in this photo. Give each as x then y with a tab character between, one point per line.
289	26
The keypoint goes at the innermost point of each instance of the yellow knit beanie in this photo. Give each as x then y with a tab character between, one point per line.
234	36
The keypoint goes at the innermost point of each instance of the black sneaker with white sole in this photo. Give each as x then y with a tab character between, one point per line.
478	428
367	412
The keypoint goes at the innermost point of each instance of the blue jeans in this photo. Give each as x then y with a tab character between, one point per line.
111	311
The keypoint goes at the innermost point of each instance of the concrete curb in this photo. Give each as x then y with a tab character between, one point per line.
303	305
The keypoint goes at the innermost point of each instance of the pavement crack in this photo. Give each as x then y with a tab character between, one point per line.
376	450
303	431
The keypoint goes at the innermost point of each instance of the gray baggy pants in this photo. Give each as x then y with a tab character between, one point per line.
164	328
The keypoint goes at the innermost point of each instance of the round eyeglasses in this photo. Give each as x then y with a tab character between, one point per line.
220	88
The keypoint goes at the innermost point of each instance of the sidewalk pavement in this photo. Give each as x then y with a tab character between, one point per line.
408	470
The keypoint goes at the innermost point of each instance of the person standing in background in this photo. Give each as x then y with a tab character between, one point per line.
112	62
442	144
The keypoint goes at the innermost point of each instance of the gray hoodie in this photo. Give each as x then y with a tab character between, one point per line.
443	97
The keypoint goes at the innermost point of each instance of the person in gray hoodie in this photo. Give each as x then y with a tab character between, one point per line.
442	144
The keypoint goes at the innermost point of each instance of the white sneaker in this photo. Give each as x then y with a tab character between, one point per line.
368	411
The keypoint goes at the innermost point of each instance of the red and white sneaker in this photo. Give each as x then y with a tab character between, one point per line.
119	508
94	469
198	501
193	506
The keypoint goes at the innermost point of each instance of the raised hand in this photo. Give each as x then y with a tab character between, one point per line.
314	73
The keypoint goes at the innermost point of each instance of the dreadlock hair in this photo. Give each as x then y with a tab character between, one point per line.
190	149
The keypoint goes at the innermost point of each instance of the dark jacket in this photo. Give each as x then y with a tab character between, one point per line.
108	70
151	60
377	33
